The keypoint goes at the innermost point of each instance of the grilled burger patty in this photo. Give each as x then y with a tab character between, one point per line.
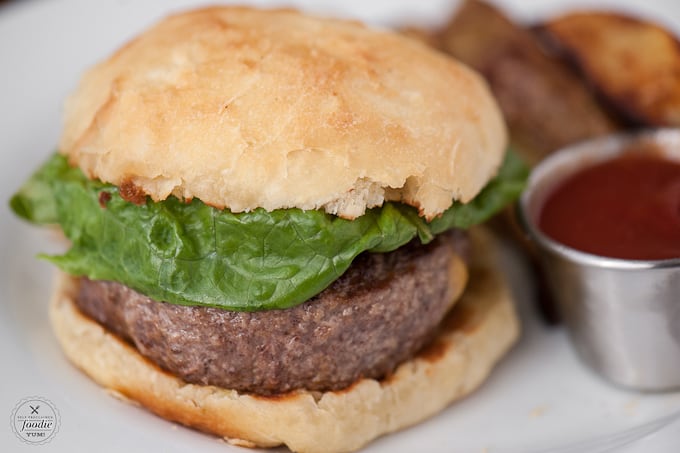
375	316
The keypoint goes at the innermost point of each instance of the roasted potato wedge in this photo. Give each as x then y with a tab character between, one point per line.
544	101
634	64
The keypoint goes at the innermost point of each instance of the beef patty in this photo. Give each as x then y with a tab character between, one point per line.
375	316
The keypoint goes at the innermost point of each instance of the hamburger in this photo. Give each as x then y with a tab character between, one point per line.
270	223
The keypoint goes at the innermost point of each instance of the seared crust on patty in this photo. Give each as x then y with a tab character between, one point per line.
476	333
374	317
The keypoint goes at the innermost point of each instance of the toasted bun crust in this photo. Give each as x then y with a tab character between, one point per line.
246	108
478	331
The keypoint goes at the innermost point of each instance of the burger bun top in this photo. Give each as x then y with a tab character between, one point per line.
244	108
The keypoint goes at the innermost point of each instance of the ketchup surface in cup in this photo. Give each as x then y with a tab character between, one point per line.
627	207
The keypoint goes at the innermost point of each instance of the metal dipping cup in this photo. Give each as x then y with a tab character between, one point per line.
623	316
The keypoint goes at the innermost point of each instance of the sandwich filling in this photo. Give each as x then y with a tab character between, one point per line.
260	302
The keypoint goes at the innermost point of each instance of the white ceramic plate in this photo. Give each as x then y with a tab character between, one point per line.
539	399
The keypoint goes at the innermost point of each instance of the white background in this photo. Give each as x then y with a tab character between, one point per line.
540	399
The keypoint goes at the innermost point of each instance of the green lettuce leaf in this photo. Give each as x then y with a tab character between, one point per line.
192	254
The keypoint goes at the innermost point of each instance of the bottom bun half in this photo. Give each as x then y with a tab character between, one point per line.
473	337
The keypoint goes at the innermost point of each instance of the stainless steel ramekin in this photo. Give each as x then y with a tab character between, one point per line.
623	316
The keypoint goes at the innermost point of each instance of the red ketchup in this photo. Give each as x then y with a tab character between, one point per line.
627	207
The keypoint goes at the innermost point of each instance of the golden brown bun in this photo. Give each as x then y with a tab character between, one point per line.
246	108
477	332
